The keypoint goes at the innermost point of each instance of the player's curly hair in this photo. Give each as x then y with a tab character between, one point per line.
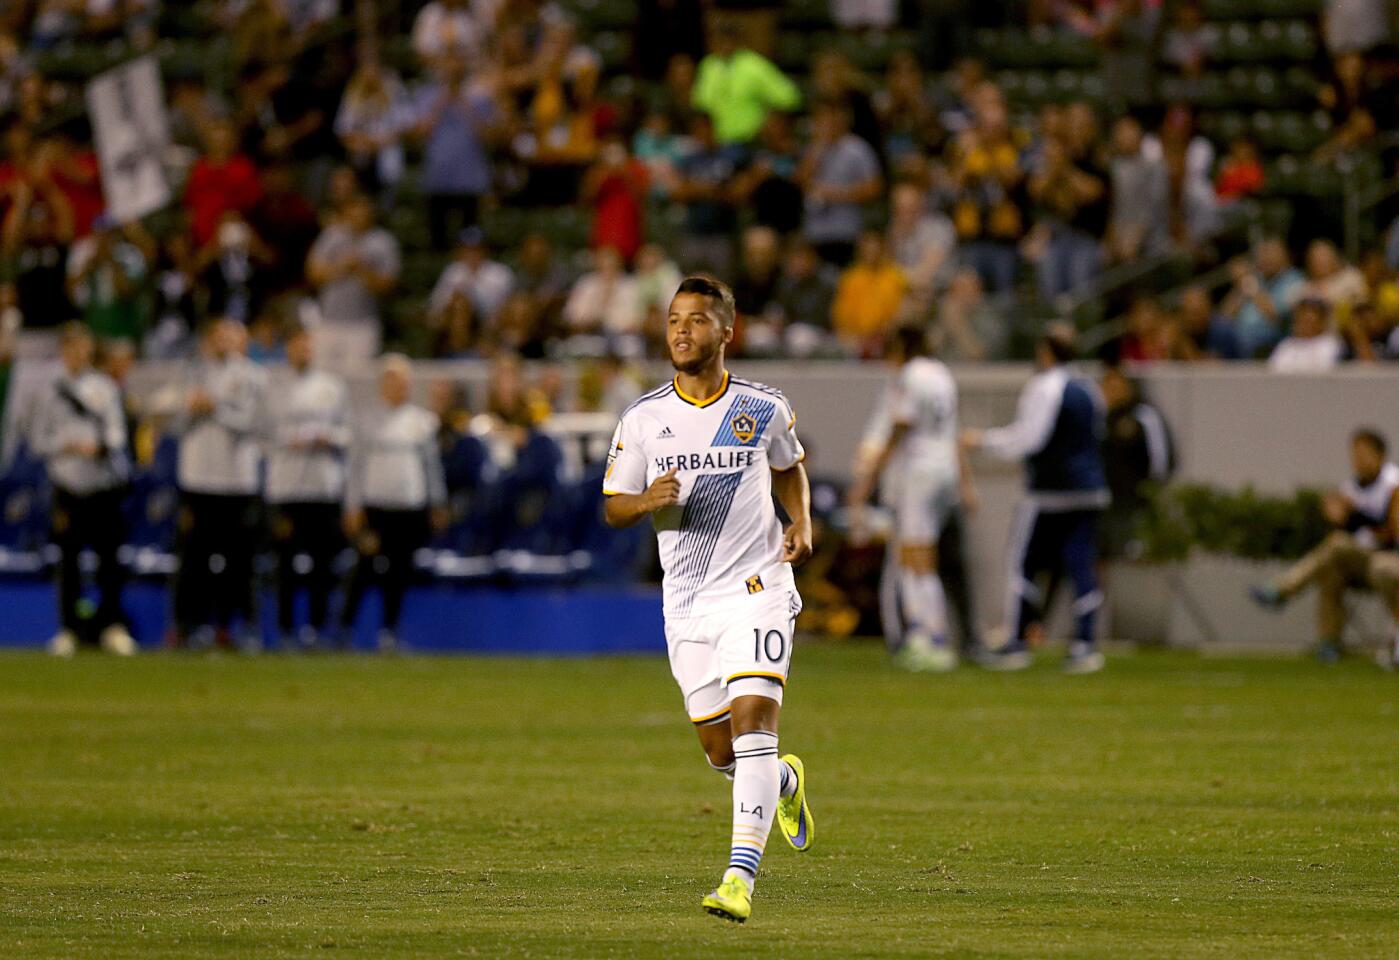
716	290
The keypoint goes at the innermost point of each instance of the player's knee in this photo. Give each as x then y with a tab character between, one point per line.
918	558
1335	542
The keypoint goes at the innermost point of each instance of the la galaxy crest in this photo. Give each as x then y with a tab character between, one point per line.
743	424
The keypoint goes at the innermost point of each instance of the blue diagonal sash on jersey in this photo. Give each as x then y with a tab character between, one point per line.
700	524
760	410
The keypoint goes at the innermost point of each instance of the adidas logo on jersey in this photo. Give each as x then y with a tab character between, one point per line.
665	434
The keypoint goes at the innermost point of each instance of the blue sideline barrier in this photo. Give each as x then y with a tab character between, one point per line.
529	621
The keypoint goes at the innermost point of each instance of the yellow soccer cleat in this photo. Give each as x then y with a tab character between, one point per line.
793	814
732	901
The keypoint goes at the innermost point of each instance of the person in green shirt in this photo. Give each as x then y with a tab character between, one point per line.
737	87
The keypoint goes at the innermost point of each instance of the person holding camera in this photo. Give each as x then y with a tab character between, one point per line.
80	431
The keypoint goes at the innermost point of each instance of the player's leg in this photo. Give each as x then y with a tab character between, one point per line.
1029	535
755	650
1305	572
919	514
64	533
952	570
1081	563
284	522
1382	574
322	543
401	538
107	532
362	576
1346	564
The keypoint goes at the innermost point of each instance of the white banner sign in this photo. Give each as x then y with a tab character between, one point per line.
127	107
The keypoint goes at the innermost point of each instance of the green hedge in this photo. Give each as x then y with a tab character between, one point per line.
1243	523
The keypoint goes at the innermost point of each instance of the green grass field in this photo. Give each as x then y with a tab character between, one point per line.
1170	807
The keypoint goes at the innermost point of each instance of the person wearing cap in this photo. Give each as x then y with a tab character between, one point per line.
396	493
352	265
305	493
1058	431
221	431
80	432
472	274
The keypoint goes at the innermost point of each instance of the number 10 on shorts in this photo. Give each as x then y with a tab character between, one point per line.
768	645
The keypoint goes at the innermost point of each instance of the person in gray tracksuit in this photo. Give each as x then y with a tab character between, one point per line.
221	432
80	432
305	493
396	493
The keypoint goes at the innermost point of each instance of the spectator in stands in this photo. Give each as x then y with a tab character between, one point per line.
855	14
521	329
455	116
839	173
542	277
1125	31
231	268
804	294
967	327
704	187
14	64
835	78
767	185
988	191
220	429
1188	44
106	271
737	87
173	314
281	119
1357	106
193	107
663	30
373	118
1241	172
396	494
285	216
472	275
1331	280
221	180
602	303
446	30
1354	26
1148	337
908	115
1370	334
922	241
1139	222
1311	347
37	233
869	297
755	287
1189	162
80	432
659	148
352	264
1261	297
657	278
459	334
1205	334
309	434
616	187
1073	202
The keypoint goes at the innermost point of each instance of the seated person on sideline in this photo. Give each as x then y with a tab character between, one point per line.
1359	553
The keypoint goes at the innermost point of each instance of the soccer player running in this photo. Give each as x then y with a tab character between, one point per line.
914	449
702	457
1058	432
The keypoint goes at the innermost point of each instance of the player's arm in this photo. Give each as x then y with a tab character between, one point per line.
1027	434
871	467
626	509
793	491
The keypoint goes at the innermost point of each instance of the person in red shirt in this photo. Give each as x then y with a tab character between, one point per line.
616	186
220	180
1241	173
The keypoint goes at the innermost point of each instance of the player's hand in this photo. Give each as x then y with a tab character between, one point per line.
200	403
664	491
970	439
796	543
1336	508
84	448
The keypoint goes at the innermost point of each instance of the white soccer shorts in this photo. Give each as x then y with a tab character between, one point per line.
923	501
740	649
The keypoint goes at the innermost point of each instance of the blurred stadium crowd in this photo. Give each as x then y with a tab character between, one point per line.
525	180
467	179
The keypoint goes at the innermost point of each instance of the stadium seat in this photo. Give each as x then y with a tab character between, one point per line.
465	551
602	554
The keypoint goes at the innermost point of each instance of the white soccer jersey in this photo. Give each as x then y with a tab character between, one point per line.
722	540
924	398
